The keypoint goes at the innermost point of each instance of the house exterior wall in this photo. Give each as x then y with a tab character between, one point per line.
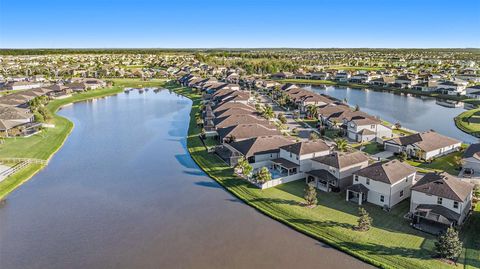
304	160
423	198
266	157
391	193
339	173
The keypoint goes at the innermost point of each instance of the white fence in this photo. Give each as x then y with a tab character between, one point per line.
282	180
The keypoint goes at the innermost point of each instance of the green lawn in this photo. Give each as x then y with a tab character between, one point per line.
45	144
391	243
370	148
445	163
469	122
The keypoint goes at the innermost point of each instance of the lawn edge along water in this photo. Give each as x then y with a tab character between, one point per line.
193	135
8	185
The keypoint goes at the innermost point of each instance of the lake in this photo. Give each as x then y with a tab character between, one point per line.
123	192
416	113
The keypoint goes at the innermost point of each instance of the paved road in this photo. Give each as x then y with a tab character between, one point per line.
303	131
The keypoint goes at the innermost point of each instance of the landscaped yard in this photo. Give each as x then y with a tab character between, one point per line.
370	148
391	243
445	163
469	121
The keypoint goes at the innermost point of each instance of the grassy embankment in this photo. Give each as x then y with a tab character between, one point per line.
469	122
45	144
391	243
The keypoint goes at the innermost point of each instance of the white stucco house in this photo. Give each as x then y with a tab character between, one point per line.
333	172
425	146
439	201
365	129
385	184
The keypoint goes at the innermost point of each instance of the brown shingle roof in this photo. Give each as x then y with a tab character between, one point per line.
426	141
244	131
387	172
444	185
340	160
307	147
260	145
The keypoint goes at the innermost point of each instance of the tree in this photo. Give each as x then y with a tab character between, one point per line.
458	161
310	195
313	136
263	175
244	167
312	111
341	144
449	245
268	112
364	220
403	156
281	117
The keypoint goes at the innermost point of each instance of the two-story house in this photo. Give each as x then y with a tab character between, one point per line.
333	172
439	201
383	183
297	157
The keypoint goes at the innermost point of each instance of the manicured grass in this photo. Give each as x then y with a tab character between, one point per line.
370	148
46	143
391	243
445	163
469	122
15	180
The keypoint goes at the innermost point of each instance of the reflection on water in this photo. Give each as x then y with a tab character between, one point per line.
420	114
124	193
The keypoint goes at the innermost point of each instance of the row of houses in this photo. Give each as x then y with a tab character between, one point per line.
436	199
458	85
16	118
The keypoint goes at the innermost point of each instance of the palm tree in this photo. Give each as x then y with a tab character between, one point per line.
312	111
268	112
341	144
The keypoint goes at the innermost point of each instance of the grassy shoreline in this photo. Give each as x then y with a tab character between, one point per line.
332	221
462	122
47	143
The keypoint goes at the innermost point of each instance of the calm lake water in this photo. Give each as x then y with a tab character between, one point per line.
416	113
123	192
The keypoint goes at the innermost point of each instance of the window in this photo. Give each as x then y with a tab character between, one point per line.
372	126
401	193
439	200
355	177
455	204
296	157
291	155
368	182
382	198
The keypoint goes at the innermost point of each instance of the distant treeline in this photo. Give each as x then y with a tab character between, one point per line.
225	52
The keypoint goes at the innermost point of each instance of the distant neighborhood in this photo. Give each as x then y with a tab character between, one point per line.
259	124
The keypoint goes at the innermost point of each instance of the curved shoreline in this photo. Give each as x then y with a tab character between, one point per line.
462	128
206	170
54	106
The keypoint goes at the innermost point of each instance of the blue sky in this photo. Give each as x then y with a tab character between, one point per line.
238	24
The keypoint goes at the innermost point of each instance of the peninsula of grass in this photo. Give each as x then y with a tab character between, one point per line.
390	243
44	144
469	122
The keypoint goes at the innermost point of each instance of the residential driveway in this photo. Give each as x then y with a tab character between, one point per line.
303	131
383	155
